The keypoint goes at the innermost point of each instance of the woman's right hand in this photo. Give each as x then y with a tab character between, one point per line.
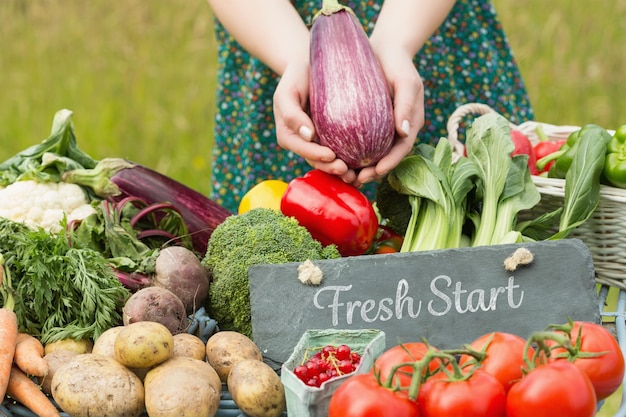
294	128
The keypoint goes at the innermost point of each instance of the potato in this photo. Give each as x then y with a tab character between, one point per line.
256	389
56	359
224	349
189	345
78	346
143	344
94	385
104	344
182	386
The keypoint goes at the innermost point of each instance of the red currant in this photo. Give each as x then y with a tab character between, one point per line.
313	382
343	352
345	366
300	371
323	377
328	351
312	368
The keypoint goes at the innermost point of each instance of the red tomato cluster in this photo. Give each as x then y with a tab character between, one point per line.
563	370
328	363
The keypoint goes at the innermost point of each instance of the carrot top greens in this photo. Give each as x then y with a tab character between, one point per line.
59	291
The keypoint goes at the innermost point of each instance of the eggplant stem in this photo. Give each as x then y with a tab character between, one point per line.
330	7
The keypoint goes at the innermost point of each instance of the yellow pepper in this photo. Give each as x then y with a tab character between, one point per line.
266	194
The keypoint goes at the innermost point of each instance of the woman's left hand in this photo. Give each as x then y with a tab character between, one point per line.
407	91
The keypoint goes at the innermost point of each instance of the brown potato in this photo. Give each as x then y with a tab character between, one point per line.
224	349
94	385
56	359
189	345
104	344
78	346
143	344
182	386
256	389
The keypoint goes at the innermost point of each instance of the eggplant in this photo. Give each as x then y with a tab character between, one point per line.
349	101
114	179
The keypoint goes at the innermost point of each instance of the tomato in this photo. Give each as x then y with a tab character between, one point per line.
505	356
267	194
479	395
362	396
555	389
406	352
606	371
388	241
383	247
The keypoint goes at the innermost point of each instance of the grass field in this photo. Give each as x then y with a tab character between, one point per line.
139	75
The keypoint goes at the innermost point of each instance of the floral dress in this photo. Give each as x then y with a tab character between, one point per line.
467	60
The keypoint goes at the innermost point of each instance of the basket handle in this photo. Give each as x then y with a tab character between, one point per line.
455	118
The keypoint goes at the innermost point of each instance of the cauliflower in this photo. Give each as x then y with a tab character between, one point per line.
44	204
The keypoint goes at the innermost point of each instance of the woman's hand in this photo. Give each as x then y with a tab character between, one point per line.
407	90
294	128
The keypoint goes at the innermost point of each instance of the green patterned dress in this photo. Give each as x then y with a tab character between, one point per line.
467	60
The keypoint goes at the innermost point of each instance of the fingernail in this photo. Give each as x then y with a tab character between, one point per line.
405	127
305	132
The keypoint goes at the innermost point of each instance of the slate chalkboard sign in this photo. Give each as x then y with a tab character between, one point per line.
449	297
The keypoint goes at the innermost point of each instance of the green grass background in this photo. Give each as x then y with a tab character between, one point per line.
139	75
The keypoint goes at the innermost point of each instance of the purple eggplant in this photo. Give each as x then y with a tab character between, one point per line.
350	103
114	179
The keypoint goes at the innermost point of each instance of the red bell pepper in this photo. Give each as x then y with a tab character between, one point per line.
546	147
333	211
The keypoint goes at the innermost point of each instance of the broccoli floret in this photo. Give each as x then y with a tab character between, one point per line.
259	236
394	208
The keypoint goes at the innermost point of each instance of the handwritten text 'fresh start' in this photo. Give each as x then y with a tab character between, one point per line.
445	297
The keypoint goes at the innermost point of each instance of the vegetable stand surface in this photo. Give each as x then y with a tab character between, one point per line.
612	304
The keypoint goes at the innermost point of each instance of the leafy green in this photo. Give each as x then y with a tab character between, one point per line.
474	200
392	206
581	194
60	291
490	146
430	197
582	182
520	193
46	162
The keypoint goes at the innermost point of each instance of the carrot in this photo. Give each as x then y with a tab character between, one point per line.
25	391
8	330
8	334
29	355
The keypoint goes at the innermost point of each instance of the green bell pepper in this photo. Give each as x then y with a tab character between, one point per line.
565	155
615	162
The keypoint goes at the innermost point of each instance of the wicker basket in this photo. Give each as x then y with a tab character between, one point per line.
604	232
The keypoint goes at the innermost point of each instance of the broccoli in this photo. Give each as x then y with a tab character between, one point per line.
394	208
259	236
